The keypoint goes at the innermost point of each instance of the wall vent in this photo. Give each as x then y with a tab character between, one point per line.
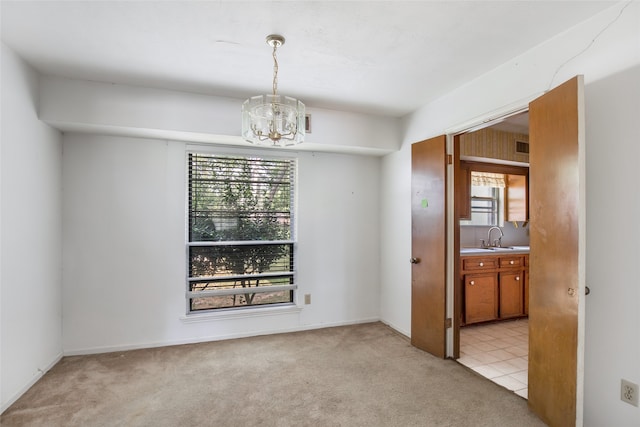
522	147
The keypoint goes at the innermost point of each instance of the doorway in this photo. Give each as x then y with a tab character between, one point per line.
491	333
557	256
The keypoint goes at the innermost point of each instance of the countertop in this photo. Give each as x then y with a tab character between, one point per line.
495	251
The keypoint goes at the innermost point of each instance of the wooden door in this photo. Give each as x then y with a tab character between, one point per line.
428	245
556	270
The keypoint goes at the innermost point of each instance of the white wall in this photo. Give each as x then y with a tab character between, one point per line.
31	275
613	233
124	246
114	109
395	216
612	336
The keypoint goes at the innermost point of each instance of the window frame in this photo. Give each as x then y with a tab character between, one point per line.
291	273
506	169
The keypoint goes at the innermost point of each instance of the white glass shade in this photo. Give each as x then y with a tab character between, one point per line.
273	120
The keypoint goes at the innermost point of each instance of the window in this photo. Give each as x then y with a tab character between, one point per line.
493	194
240	249
487	198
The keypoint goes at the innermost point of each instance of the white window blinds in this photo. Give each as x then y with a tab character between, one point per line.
241	239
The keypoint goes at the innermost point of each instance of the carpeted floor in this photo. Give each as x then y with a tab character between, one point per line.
361	375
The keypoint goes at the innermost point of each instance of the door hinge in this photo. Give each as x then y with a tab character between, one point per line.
449	159
447	323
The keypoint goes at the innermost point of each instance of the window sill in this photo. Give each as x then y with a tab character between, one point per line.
243	313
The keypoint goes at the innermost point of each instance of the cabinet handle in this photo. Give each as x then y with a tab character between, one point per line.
482	264
511	262
472	283
517	277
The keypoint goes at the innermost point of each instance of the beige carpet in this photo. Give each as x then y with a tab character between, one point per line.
361	375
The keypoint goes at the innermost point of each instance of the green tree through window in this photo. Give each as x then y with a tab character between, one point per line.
241	246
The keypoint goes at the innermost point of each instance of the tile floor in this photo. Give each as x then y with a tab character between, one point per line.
498	351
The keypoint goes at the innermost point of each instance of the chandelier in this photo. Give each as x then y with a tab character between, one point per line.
273	119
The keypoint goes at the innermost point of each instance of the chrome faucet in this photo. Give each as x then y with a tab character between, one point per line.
497	242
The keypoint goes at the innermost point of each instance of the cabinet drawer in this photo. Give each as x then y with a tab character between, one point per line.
511	261
479	263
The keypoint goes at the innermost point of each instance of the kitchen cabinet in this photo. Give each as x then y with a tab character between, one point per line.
481	297
526	292
517	203
463	191
511	294
494	287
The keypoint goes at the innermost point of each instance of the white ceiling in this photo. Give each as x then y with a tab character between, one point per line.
380	57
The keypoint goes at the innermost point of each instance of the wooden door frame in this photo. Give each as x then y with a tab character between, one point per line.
548	395
454	290
453	284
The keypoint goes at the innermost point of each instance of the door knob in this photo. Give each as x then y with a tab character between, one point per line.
414	260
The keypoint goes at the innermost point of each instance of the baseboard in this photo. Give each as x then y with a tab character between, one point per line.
401	331
23	390
127	347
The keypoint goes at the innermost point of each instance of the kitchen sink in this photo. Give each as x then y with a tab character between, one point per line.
470	250
494	249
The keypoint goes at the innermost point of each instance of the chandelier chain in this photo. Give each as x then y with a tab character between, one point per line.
275	70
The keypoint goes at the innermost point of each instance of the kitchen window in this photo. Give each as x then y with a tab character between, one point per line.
492	194
487	198
241	243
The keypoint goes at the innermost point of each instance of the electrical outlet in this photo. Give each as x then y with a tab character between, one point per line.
307	298
629	392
